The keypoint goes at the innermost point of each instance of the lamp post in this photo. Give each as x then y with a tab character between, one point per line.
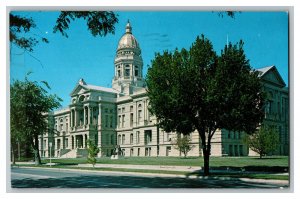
50	145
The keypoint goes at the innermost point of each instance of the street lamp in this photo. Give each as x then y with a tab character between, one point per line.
50	145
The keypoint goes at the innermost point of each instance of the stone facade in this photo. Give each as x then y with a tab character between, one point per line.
119	116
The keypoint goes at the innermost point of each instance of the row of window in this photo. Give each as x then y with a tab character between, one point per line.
236	150
121	119
127	71
147	138
123	109
234	135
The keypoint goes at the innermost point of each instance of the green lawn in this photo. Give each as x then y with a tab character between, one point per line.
278	161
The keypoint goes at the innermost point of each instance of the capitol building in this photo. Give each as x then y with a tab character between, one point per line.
119	116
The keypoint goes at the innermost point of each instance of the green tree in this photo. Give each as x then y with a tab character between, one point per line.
93	150
183	144
264	141
29	103
99	23
197	90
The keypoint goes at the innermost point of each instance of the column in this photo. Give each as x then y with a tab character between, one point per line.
73	142
84	115
75	117
83	141
89	114
145	116
71	118
76	142
99	115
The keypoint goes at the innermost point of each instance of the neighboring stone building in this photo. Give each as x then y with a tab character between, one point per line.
120	116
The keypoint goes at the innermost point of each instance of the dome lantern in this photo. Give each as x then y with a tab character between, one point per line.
128	27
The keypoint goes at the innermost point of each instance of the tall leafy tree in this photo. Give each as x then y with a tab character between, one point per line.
197	90
264	141
29	103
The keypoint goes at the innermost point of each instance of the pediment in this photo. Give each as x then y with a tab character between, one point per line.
273	76
79	89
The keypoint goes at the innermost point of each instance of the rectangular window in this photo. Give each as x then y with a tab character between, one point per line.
230	150
131	119
241	150
112	138
67	125
148	136
137	137
123	139
123	120
168	150
127	72
131	138
107	139
148	151
131	152
111	122
119	124
139	116
131	108
119	139
236	150
106	120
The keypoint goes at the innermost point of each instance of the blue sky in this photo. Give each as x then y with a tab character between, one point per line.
66	60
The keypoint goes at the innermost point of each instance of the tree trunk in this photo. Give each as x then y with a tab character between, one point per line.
206	161
13	159
37	157
206	151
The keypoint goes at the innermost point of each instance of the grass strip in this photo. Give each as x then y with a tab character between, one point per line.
281	161
229	175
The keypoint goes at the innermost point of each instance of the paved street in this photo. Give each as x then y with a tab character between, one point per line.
55	178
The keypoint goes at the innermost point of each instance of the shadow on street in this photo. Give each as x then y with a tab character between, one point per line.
107	181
